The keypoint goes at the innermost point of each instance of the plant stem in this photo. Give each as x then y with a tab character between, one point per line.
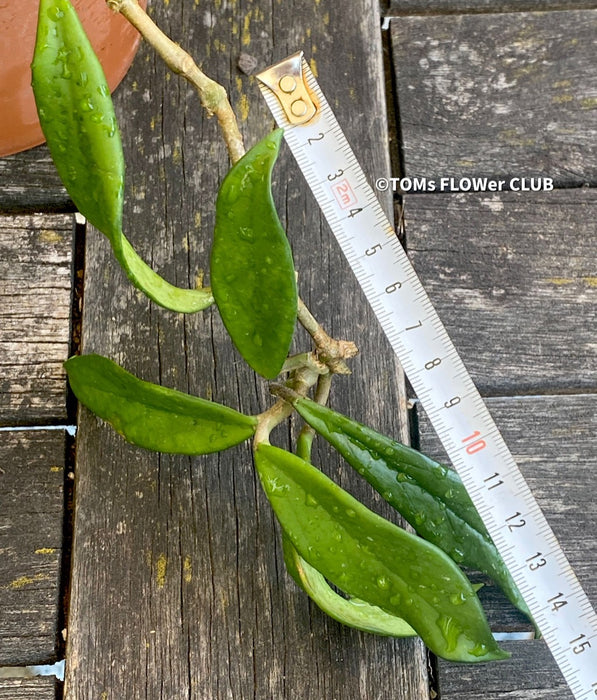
305	439
330	351
212	95
304	359
269	419
302	380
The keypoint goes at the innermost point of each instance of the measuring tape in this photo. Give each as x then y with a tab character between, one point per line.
455	408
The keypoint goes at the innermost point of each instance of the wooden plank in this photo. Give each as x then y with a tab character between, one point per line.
176	565
35	305
530	674
29	183
513	277
552	439
28	689
452	7
498	94
31	514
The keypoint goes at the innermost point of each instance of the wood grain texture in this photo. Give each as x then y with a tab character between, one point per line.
177	565
514	279
498	94
552	438
28	689
454	7
35	306
530	674
29	183
31	504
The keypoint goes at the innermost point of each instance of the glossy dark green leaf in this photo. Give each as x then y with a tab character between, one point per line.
152	416
427	494
349	611
252	272
77	117
374	560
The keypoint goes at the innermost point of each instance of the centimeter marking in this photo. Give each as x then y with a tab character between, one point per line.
455	408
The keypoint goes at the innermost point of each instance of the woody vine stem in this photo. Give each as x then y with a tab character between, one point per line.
306	369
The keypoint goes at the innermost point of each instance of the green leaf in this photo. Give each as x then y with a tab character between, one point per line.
152	416
375	561
252	272
185	301
77	117
431	497
348	611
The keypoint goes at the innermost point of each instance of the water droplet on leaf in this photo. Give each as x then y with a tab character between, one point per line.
246	234
231	193
457	554
55	13
480	649
450	630
420	518
86	105
458	598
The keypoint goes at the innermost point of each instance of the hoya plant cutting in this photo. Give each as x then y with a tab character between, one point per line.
360	568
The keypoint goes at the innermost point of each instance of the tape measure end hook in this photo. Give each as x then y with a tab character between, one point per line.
287	82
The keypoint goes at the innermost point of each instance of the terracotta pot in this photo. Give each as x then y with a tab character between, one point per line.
112	37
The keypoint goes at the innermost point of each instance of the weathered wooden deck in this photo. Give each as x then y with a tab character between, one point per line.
161	571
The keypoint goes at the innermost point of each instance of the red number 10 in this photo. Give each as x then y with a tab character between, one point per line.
477	445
